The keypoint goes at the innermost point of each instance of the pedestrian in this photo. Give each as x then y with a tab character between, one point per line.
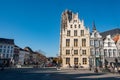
96	70
90	67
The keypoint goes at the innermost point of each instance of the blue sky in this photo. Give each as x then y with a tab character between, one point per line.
36	23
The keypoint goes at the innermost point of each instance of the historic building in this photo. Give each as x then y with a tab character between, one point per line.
20	55
74	41
110	49
6	48
117	41
23	56
96	48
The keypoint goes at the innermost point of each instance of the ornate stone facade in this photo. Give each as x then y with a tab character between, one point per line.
74	41
110	49
96	48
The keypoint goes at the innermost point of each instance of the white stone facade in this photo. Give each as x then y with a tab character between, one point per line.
74	41
110	49
6	51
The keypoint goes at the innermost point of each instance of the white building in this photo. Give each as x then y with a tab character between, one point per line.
74	41
96	48
6	48
110	49
23	55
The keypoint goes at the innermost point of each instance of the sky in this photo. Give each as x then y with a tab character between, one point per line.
36	23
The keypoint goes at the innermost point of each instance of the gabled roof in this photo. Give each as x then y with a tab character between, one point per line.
112	32
7	41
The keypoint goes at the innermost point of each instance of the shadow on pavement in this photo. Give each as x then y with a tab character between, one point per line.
43	74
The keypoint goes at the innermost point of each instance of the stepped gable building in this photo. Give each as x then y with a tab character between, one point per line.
74	41
6	48
96	48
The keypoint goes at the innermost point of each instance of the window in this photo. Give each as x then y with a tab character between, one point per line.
0	55
105	52
91	42
75	20
67	52
100	51
75	52
109	52
108	39
68	33
7	56
119	52
8	46
109	44
4	51
75	32
92	51
3	55
75	26
4	46
0	46
101	43
75	42
84	60
83	42
11	51
11	55
71	26
79	25
67	42
96	43
0	50
11	47
82	32
84	52
7	51
97	52
75	60
67	60
114	52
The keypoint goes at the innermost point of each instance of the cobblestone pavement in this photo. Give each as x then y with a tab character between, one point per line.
53	74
